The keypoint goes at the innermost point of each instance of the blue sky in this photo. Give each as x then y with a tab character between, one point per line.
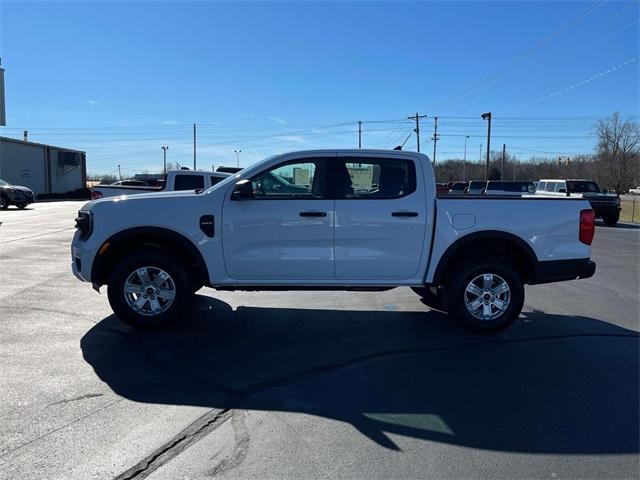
120	79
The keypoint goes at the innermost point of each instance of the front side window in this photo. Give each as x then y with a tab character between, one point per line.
189	182
559	186
372	178
291	180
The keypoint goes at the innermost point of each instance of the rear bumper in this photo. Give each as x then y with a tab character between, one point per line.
605	210
561	270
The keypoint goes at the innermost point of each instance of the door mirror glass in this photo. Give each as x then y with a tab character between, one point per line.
562	190
242	190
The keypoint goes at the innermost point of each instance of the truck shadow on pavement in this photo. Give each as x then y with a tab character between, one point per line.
551	384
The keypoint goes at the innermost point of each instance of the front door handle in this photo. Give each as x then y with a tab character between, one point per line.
404	214
313	214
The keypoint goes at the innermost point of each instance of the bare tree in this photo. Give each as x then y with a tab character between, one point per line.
618	152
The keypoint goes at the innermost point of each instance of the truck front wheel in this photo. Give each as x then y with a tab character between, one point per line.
149	290
485	296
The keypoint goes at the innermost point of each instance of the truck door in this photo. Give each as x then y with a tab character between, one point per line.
285	232
381	218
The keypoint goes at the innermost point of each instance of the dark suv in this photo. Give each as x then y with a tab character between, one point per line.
14	195
605	204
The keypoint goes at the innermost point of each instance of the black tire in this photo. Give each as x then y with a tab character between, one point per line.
22	206
155	261
4	203
434	301
456	296
611	220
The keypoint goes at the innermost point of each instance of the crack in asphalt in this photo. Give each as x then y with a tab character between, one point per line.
4	453
199	429
75	399
213	420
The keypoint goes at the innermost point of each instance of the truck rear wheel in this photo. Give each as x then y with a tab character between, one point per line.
485	296
149	290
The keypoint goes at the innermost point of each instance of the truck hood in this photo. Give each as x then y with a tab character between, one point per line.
142	197
599	195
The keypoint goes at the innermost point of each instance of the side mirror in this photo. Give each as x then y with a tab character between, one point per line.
242	190
606	190
562	190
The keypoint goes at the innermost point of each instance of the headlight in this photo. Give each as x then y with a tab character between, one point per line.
84	223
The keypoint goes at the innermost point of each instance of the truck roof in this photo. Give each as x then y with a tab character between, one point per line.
357	151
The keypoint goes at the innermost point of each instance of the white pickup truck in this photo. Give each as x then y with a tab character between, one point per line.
364	220
174	180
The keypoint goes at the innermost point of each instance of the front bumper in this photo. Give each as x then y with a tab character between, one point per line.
561	270
81	259
21	198
605	209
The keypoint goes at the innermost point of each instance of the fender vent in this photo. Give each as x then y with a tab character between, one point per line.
207	225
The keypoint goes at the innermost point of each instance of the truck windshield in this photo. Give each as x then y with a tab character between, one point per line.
580	186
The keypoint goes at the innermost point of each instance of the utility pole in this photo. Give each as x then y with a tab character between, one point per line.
237	152
504	148
487	116
119	173
164	154
417	118
359	134
464	161
194	146
435	138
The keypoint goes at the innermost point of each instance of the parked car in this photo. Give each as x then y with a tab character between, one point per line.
634	191
174	180
457	187
499	187
604	204
442	188
475	187
15	195
467	256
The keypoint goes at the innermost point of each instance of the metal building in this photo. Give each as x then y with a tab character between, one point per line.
45	169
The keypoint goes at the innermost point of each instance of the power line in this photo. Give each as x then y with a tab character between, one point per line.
546	40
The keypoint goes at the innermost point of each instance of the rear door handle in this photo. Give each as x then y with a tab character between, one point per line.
313	214
404	214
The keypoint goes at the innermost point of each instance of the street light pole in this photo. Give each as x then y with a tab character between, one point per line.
487	116
237	152
464	162
164	154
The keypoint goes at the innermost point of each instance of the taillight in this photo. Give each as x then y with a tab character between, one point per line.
95	195
587	226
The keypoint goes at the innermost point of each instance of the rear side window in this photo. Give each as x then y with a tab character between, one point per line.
541	185
215	180
189	182
372	178
551	186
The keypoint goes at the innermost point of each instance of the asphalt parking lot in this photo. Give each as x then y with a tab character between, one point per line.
307	384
